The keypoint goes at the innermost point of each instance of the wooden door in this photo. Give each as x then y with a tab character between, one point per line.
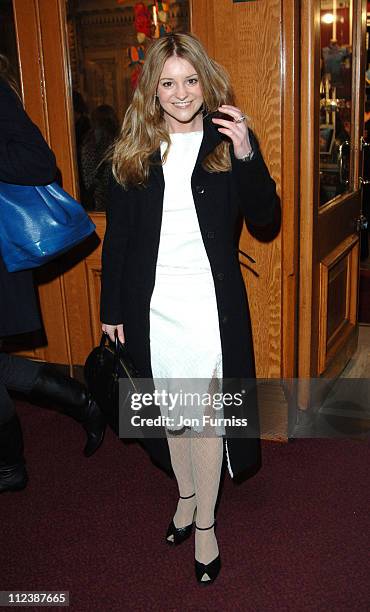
332	97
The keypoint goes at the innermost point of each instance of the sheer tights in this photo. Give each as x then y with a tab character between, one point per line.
197	460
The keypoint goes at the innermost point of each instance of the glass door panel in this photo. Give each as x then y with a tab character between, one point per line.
336	116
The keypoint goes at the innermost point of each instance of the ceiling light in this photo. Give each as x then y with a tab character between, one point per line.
328	18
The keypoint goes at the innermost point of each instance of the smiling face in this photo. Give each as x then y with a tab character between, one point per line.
180	95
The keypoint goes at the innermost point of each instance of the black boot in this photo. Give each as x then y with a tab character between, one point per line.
13	475
74	400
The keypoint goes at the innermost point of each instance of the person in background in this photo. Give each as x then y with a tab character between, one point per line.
82	126
334	57
82	121
96	170
26	159
186	171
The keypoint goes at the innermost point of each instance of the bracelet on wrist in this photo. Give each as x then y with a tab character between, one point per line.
247	157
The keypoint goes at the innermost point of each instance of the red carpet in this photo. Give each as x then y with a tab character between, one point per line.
294	538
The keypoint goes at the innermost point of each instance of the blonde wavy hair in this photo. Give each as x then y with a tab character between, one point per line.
143	127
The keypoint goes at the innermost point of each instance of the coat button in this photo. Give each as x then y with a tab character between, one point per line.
210	235
221	276
199	189
224	319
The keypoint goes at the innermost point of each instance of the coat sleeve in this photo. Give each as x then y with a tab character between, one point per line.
114	254
25	157
255	188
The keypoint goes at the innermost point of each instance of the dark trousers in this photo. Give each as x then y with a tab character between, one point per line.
16	374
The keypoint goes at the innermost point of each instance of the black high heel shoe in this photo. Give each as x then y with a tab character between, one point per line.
179	534
209	570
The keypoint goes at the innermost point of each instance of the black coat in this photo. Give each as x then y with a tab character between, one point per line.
25	159
129	259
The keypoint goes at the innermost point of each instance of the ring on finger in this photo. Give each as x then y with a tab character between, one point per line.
240	119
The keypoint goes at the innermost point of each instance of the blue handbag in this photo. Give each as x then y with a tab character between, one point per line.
38	223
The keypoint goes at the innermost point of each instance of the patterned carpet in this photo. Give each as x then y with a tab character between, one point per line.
293	538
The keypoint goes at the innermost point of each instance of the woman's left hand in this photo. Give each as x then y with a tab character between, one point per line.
237	131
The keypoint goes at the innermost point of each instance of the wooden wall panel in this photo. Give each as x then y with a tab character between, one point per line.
246	39
202	23
27	25
338	301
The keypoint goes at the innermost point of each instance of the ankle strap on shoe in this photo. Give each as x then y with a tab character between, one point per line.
205	528
188	497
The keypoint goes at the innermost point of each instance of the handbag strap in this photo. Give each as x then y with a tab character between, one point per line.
115	347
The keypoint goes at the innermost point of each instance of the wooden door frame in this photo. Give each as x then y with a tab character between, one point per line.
310	211
290	164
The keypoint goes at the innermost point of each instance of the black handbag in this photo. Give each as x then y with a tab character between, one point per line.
105	365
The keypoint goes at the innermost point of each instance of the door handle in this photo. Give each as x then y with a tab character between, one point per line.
364	145
340	159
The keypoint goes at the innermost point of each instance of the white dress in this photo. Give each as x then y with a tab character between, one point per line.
185	339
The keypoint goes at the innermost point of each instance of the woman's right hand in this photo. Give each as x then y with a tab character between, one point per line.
110	329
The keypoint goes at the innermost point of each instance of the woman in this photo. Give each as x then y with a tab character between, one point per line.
171	283
26	159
